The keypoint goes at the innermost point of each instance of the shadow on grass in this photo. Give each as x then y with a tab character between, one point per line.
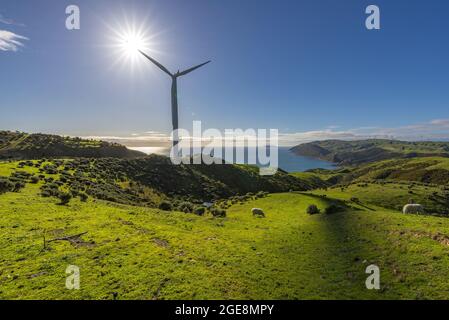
337	255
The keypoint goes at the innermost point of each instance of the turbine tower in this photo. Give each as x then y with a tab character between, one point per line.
174	92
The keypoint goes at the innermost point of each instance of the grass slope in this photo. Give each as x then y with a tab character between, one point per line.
390	183
143	253
392	196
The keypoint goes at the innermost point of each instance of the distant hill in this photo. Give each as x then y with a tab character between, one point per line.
19	145
429	170
364	151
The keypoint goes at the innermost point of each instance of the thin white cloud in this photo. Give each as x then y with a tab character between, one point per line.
11	22
10	41
433	130
440	122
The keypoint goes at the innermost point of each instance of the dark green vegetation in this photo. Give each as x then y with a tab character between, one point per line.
363	151
19	145
151	181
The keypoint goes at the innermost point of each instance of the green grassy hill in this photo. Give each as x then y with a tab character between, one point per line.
431	170
363	151
19	145
390	183
392	195
129	252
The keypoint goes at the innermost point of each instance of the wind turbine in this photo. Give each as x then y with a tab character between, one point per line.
174	91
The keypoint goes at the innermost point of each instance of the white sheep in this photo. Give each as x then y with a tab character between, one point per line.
258	212
413	208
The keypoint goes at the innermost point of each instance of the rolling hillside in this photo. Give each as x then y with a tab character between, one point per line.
364	151
129	252
390	183
19	145
145	181
430	170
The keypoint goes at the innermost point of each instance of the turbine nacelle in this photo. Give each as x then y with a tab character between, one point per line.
164	69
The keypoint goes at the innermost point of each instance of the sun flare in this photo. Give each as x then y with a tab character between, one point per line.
127	38
131	43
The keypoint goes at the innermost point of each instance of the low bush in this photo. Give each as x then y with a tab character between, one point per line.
5	185
312	209
218	213
199	211
166	206
64	197
186	207
18	185
34	179
83	196
45	194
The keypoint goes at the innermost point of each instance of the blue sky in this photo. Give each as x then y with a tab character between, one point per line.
308	68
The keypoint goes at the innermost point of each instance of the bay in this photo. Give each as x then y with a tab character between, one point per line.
288	161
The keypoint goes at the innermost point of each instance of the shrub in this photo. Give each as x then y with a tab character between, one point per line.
50	169
45	194
34	179
199	211
313	209
17	186
64	197
186	207
261	194
165	206
218	213
5	185
333	208
83	196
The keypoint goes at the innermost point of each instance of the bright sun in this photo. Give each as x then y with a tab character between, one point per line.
132	43
127	39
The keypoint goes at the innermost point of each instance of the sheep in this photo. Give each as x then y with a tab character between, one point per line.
413	208
258	212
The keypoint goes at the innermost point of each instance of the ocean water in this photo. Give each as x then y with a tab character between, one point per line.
288	161
291	162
